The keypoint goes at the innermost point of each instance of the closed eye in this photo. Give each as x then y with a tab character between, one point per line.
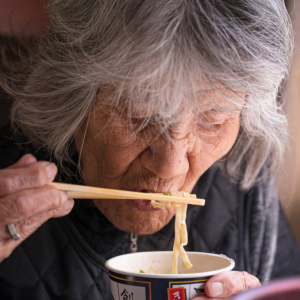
214	118
137	120
139	124
209	127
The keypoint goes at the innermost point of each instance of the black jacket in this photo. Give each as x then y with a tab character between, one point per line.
64	259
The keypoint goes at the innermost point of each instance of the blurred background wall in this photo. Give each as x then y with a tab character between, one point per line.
288	177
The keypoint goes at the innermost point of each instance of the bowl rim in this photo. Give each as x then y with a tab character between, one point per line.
171	276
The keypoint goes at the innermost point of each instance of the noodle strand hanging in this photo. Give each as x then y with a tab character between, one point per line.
181	237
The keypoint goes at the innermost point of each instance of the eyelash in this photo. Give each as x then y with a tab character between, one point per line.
137	120
138	124
209	118
209	127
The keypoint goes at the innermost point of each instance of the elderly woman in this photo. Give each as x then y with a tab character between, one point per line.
152	96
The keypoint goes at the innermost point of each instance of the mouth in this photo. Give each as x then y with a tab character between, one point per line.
142	204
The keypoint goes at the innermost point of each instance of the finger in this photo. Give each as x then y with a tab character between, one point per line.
226	284
26	226
64	209
35	175
24	161
24	204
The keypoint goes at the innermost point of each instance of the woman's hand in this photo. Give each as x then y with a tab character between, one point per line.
27	200
227	284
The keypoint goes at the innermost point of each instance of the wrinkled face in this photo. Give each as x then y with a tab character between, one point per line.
113	156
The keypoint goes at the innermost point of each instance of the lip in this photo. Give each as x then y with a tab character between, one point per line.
142	204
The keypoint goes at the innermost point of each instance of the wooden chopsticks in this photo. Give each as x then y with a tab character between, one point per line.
88	192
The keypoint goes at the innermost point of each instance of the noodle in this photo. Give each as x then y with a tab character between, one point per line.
181	237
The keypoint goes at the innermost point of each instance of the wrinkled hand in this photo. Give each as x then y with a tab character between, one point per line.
27	200
227	284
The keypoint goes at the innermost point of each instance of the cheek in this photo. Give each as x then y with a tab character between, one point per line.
211	147
120	147
223	139
229	134
108	151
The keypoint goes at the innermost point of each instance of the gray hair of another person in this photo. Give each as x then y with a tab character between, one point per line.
153	52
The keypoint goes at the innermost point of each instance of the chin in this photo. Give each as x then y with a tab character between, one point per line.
126	217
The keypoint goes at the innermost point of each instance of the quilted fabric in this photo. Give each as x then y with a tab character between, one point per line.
50	265
59	262
64	259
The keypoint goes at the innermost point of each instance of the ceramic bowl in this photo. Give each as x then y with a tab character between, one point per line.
127	281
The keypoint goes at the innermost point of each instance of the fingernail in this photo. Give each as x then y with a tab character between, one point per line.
51	170
215	289
64	196
69	205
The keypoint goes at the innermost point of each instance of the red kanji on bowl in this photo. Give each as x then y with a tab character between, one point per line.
176	294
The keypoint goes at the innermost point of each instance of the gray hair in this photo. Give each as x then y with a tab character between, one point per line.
152	50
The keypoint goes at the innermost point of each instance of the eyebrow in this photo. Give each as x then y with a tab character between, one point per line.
231	108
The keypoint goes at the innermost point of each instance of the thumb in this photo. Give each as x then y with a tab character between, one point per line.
226	284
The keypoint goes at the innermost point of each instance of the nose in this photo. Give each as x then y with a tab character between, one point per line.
167	158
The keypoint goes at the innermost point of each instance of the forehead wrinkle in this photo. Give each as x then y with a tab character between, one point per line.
213	100
202	95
